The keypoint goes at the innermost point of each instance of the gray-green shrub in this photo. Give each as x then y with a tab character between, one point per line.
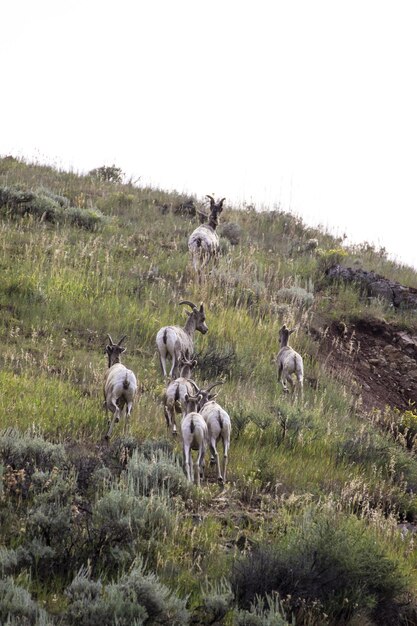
137	598
17	606
160	473
327	561
263	612
49	207
123	525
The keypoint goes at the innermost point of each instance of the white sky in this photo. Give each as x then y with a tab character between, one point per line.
310	104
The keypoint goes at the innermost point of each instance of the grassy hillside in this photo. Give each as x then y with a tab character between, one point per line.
309	529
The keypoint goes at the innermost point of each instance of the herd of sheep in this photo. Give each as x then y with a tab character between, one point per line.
204	422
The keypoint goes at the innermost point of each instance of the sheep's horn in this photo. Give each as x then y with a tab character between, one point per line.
122	339
191	304
219	382
221	201
110	339
188	362
196	387
212	200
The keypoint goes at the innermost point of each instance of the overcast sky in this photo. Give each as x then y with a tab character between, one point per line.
310	105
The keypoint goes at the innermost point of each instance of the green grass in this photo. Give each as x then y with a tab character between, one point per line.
63	288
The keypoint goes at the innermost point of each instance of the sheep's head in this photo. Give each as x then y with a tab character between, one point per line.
197	315
114	350
186	366
215	209
284	335
196	402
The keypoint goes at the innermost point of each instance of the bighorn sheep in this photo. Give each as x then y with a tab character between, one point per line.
219	428
218	425
194	437
203	243
179	342
289	362
175	394
120	385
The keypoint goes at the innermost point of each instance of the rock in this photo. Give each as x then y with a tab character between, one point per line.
375	285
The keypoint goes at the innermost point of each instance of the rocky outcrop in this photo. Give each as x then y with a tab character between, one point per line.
376	286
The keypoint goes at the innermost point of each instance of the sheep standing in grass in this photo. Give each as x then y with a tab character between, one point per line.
120	385
194	432
179	342
176	392
218	425
289	362
194	437
204	243
219	428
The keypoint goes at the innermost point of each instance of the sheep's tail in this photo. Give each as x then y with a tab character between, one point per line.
126	382
219	418
192	425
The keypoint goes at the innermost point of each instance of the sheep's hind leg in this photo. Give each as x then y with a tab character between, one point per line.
225	459
127	419
215	459
116	418
188	463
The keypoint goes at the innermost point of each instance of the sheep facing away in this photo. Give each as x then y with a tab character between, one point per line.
120	385
218	425
219	428
179	342
194	437
204	243
289	362
176	392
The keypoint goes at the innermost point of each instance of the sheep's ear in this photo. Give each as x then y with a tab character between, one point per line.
188	312
122	350
186	397
290	332
108	349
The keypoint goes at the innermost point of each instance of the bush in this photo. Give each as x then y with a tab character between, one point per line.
12	560
47	206
294	294
23	455
216	361
328	258
261	615
107	173
232	232
217	600
329	563
53	537
161	474
17	607
137	598
124	524
89	219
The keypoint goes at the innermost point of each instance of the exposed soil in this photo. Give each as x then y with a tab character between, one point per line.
379	359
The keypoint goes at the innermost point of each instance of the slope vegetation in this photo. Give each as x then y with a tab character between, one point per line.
316	522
